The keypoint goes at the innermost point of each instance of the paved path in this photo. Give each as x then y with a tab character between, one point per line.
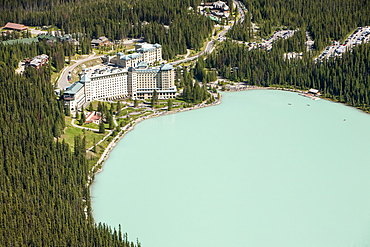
309	42
81	127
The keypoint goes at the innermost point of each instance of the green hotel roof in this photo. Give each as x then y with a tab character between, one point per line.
166	66
73	89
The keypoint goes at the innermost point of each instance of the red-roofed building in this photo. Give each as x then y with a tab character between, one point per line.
93	117
15	26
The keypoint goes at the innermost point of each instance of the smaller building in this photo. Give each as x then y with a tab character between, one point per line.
314	92
25	41
101	41
93	117
37	61
68	38
220	5
151	53
15	26
217	9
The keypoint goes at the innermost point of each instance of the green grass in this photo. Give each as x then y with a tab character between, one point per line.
124	112
70	132
91	125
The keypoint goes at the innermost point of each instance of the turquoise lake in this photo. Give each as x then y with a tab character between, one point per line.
262	169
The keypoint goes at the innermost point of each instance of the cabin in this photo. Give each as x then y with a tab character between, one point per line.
101	41
37	61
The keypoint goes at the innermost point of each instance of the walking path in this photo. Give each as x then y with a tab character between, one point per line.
81	127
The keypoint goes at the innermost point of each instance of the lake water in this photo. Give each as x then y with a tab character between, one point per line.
262	169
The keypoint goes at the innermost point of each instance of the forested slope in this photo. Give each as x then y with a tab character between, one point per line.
43	190
345	79
324	19
170	23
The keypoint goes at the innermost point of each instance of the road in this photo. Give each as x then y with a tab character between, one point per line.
63	81
267	44
309	42
210	45
209	48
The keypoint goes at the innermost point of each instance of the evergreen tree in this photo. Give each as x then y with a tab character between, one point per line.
118	107
94	147
169	104
101	127
83	117
154	99
110	121
67	111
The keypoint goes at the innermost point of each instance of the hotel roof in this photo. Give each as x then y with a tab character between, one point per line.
142	64
131	56
166	67
85	78
148	47
73	89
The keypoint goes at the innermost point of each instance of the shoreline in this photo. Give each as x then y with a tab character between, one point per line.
98	167
129	127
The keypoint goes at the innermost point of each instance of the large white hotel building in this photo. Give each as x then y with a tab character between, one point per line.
126	76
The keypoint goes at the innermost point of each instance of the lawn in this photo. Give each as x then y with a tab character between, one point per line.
70	132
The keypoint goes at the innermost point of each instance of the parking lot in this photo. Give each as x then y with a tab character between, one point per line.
360	36
282	34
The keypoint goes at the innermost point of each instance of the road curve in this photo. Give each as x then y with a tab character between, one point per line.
63	81
209	48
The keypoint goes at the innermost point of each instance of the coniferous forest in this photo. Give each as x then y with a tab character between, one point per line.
343	79
43	190
170	23
325	20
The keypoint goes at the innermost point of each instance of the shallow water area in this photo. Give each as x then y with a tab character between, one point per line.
262	169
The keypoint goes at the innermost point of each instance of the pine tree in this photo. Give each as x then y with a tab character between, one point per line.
154	98
101	127
169	104
118	107
83	117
